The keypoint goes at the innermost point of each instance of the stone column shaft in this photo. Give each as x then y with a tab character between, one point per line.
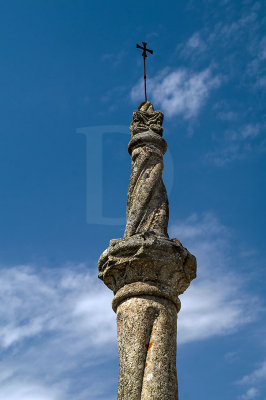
146	332
146	275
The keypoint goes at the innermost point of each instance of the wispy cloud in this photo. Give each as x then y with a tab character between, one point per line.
255	380
234	30
249	131
59	300
250	394
227	115
215	303
256	68
238	39
221	35
57	328
114	59
236	144
194	46
227	32
19	390
179	92
259	374
54	325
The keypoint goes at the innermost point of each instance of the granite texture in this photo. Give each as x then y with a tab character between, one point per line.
146	331
147	202
147	271
152	262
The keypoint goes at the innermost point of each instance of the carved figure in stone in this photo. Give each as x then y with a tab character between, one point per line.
145	118
147	201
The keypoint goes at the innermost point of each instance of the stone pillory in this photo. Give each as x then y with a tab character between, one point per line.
147	271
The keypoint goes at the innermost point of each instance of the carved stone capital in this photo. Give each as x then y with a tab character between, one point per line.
145	264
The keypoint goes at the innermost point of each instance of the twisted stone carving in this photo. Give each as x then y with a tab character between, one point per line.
147	202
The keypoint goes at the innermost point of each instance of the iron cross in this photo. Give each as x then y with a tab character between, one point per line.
144	55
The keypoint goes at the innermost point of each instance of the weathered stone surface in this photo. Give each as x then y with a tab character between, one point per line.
146	331
146	119
160	263
147	202
147	271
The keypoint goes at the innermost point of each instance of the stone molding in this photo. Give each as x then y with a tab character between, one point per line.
140	289
147	138
145	264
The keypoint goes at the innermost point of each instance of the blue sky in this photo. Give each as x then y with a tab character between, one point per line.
70	78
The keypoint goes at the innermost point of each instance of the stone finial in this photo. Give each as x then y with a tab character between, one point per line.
146	119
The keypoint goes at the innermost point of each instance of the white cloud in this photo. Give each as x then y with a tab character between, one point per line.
244	33
57	328
215	303
195	227
257	378
194	46
224	155
256	67
180	92
235	43
223	34
42	302
28	391
250	131
259	374
55	325
234	30
251	394
195	41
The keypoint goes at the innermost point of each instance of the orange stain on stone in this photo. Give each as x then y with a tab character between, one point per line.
146	365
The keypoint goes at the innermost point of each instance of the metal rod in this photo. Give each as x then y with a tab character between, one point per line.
145	90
